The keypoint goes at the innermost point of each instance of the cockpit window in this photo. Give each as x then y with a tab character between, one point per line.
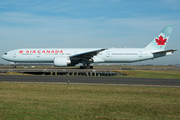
5	53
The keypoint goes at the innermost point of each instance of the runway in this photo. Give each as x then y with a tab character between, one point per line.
85	80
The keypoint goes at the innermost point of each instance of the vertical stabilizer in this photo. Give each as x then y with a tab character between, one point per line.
160	41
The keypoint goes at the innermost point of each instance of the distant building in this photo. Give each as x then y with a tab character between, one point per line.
170	65
177	65
149	65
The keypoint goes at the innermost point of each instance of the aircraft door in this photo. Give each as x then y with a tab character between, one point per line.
38	54
14	54
140	53
107	54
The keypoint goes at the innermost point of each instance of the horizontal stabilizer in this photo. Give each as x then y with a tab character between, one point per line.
164	51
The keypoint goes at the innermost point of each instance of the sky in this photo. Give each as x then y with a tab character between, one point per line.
88	24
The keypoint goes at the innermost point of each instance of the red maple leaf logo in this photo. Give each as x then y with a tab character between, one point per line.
161	40
20	51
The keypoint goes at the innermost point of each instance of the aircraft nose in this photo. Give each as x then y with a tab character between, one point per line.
2	56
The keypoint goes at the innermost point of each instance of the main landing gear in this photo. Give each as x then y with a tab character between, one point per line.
14	65
86	66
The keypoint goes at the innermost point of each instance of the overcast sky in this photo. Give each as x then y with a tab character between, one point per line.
88	24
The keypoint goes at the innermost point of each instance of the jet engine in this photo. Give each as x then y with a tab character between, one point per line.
61	61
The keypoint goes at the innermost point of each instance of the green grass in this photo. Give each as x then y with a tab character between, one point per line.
13	73
43	101
150	74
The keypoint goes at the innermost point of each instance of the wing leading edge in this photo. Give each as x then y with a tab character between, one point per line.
86	55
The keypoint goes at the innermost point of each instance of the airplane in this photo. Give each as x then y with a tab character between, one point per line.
86	56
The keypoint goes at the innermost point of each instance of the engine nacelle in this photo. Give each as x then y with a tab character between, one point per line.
61	61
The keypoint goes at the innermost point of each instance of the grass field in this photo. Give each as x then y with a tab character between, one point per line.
150	74
44	101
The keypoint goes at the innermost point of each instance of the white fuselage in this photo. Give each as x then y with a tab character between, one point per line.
112	55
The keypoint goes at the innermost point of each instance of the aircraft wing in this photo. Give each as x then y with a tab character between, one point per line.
164	51
86	55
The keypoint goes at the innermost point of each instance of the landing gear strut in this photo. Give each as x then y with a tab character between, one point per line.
86	66
14	65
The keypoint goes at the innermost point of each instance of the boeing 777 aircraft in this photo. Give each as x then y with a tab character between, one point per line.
86	56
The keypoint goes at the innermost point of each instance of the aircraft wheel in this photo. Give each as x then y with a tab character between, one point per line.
81	67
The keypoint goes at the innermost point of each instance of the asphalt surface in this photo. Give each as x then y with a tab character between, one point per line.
100	80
